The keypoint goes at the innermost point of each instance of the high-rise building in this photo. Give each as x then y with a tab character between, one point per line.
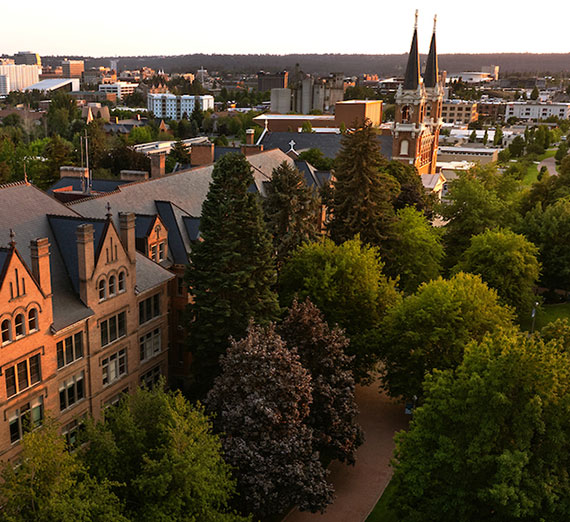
72	68
20	76
27	58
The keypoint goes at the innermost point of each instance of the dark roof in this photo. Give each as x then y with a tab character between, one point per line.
4	257
328	144
64	228
412	76
98	185
432	70
192	225
222	151
175	241
143	223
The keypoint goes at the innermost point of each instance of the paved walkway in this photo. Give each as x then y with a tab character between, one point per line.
359	487
550	164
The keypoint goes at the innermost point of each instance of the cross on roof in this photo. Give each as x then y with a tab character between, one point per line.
292	145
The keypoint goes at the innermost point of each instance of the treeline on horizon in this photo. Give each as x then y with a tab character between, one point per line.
350	64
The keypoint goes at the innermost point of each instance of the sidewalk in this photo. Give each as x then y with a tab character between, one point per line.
359	487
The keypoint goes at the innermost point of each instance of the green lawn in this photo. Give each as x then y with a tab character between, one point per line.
548	314
381	513
532	171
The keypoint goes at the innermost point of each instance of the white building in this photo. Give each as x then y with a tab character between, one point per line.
537	111
172	107
471	77
55	84
20	76
121	89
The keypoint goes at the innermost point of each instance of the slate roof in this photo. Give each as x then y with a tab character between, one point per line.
98	185
222	151
175	241
192	226
412	76
64	228
328	144
150	274
24	208
432	71
143	224
313	177
4	257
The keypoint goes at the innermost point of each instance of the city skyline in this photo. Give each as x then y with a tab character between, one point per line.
312	28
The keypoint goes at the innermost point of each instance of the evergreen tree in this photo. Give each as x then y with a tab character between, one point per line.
291	210
336	433
534	94
498	138
362	199
261	402
179	153
485	137
232	272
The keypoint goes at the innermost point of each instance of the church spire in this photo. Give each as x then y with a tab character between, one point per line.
432	70
412	77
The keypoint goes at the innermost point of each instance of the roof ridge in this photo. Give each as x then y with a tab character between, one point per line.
14	184
95	196
77	218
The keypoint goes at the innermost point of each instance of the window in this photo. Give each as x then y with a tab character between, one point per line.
32	320
162	251
121	281
153	252
112	281
116	398
150	344
151	378
149	308
23	375
102	292
26	418
404	146
113	328
180	286
19	325
71	391
6	331
69	350
114	366
72	432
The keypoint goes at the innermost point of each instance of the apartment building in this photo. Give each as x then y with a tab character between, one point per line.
172	107
536	110
457	111
119	89
83	315
20	76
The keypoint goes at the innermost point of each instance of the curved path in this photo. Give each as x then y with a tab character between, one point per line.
550	164
359	487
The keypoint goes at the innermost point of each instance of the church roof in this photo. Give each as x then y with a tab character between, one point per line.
432	71
412	77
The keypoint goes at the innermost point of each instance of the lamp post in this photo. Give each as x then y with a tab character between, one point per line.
533	315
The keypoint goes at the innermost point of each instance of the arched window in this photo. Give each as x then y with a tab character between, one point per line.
6	331
20	326
121	281
102	290
404	147
112	285
406	113
32	320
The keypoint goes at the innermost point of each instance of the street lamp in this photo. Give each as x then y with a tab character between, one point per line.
533	315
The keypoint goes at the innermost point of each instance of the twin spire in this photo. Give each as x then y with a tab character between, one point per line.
412	76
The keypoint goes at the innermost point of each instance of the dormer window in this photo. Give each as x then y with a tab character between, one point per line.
122	279
102	290
32	320
20	325
162	251
112	285
6	331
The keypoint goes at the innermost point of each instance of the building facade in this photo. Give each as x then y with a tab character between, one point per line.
119	89
20	76
537	111
72	68
458	112
172	107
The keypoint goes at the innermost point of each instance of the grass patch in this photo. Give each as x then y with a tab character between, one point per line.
531	174
381	512
546	315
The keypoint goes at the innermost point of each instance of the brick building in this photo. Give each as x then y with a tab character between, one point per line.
83	315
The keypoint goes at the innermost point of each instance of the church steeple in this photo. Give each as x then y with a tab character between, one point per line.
432	71
412	77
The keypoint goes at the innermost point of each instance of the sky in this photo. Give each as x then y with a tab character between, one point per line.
64	27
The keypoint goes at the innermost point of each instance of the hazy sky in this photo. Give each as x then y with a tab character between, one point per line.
64	27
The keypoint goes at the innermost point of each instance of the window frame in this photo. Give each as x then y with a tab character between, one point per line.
33	320
23	375
69	352
115	361
8	331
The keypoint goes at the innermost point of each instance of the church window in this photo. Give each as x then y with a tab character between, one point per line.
404	147
406	113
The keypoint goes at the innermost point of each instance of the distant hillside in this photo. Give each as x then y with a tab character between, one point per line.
350	64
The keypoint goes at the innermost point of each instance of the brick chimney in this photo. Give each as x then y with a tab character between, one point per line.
73	172
202	153
157	165
127	232
133	175
249	150
41	269
249	136
85	260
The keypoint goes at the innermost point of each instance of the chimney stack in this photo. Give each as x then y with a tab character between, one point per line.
157	165
249	136
41	269
202	154
127	232
85	260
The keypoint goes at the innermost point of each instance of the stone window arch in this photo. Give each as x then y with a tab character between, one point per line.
33	320
102	289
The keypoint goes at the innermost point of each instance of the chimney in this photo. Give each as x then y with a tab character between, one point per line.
127	232
85	260
249	150
157	165
133	175
73	172
249	136
41	269
202	154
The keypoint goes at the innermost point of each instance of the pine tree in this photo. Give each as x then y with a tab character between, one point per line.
362	200
336	433
261	402
179	153
291	210
232	272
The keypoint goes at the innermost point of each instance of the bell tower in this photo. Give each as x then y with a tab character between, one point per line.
415	137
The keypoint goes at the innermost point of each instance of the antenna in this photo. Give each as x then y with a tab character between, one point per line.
416	22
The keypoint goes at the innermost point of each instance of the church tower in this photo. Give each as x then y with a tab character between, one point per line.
416	137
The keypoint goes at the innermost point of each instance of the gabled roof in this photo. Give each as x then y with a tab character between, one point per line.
175	241
313	177
412	76
143	225
64	229
432	71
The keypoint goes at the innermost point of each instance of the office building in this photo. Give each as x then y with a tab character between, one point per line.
20	76
72	68
120	89
172	107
